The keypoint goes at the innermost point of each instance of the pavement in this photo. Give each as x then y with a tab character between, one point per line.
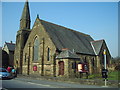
111	83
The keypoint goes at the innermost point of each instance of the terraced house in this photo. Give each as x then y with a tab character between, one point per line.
53	50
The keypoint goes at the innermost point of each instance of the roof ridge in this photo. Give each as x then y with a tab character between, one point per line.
10	43
67	54
97	40
65	28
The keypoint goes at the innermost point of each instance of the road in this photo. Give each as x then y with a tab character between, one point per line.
32	83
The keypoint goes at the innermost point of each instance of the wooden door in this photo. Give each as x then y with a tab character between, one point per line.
61	68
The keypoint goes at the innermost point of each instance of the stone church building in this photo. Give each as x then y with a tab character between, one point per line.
49	49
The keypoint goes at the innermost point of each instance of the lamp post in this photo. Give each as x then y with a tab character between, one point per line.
104	52
105	67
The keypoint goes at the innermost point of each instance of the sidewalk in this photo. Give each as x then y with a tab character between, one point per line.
111	83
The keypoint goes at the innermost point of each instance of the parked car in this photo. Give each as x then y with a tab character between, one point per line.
4	74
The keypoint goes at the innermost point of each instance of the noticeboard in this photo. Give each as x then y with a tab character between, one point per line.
82	68
79	67
35	68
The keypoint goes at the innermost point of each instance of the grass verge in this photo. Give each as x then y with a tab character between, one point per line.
111	75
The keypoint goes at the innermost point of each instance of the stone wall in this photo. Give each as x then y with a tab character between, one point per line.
21	39
44	67
91	61
72	69
66	67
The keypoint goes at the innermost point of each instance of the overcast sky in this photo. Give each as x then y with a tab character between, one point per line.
98	19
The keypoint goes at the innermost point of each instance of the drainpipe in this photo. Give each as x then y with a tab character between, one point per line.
29	59
42	72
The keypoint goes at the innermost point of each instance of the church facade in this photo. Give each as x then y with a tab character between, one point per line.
53	50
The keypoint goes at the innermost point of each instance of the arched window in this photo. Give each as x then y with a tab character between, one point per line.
36	49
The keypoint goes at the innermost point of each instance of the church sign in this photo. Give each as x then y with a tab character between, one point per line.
82	68
79	67
34	68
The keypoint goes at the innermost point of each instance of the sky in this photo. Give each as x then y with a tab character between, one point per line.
98	19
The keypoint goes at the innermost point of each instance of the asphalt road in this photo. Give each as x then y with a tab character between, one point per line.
32	83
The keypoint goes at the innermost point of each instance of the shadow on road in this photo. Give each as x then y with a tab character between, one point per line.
7	78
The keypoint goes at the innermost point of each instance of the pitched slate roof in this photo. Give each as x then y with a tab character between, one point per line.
11	46
67	54
67	38
97	46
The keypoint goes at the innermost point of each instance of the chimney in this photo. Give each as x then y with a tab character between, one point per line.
63	49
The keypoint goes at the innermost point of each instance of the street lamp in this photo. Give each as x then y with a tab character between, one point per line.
105	71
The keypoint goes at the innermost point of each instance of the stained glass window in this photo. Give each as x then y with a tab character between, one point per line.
36	49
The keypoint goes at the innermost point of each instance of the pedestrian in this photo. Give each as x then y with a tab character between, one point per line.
13	72
9	69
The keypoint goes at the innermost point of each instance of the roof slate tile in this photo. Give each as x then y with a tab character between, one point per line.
68	38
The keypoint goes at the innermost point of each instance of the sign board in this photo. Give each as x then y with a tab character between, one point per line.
79	67
82	68
35	68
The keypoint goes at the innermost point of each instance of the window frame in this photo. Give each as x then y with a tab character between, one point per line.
36	47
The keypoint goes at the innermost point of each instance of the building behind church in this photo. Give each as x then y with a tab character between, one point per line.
49	49
8	54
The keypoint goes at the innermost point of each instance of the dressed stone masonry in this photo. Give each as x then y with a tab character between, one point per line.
53	50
